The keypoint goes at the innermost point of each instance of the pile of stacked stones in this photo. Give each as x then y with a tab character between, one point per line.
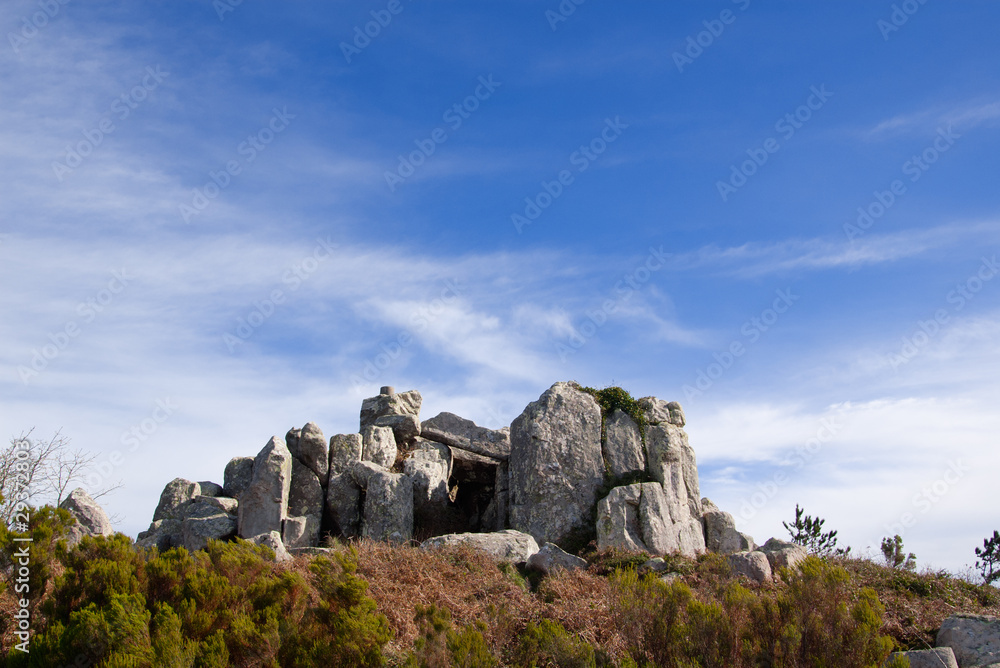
542	481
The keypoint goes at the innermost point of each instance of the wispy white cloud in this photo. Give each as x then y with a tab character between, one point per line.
966	116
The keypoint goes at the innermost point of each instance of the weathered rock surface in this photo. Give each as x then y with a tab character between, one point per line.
401	412
671	462
556	465
458	432
310	449
551	557
508	545
272	539
388	507
343	505
753	565
305	500
429	466
624	452
720	531
264	503
639	517
939	657
975	639
176	493
378	445
91	520
783	554
300	531
197	531
222	503
209	488
162	534
657	411
239	473
345	449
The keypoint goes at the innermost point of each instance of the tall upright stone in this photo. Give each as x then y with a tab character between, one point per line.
264	503
556	465
670	461
624	452
305	500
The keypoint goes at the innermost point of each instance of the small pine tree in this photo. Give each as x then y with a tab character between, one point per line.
895	556
808	532
988	561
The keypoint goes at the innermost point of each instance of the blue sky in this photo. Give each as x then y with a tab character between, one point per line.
217	225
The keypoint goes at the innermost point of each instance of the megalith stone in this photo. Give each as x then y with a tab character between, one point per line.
720	531
618	520
91	520
176	493
223	504
670	461
752	565
556	465
197	531
306	499
239	473
550	558
975	639
378	446
264	503
310	449
624	453
388	504
506	545
345	449
343	505
300	531
641	517
458	432
429	467
939	657
400	412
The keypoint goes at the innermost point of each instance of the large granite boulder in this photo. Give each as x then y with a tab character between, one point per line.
550	558
975	639
264	503
429	466
556	465
310	449
670	461
91	520
458	432
624	452
345	449
197	531
506	545
300	532
378	445
641	517
720	531
209	488
658	411
223	504
752	565
783	554
305	500
162	534
401	412
939	657
388	505
239	473
175	495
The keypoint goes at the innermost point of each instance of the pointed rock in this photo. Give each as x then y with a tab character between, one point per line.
176	493
264	504
310	449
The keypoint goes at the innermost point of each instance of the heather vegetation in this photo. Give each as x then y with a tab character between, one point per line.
103	603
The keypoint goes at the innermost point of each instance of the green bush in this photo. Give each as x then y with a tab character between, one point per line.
549	645
439	645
